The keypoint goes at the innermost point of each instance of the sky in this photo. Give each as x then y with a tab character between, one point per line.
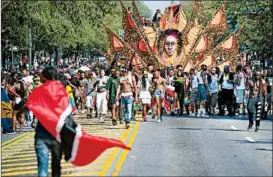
153	5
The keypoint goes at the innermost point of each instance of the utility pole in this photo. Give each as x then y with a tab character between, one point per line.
12	60
29	47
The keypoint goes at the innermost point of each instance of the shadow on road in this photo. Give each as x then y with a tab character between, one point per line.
90	124
216	129
210	117
228	130
263	149
256	141
114	128
188	128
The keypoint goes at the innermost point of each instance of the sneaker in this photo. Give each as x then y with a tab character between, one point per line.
11	133
192	115
127	126
101	119
249	127
158	121
88	116
114	122
161	118
256	129
120	122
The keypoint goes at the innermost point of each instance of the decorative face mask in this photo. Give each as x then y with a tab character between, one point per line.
170	45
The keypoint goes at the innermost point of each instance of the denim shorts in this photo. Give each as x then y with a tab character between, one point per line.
202	93
157	93
240	93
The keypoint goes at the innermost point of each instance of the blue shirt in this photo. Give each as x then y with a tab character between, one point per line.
213	85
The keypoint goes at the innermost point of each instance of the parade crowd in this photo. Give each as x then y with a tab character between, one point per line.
201	92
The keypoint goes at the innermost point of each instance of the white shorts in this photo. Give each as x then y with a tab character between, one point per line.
90	101
146	100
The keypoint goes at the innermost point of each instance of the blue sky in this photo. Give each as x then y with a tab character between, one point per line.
153	5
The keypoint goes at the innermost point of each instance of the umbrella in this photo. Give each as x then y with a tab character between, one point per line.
84	68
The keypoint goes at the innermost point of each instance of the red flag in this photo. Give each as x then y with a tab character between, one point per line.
50	104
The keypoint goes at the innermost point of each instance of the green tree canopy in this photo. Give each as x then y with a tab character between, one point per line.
71	25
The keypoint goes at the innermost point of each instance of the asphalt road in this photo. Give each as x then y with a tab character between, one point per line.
200	147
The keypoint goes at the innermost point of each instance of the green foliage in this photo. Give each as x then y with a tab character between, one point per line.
255	14
72	25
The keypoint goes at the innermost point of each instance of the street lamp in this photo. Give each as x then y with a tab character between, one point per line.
29	47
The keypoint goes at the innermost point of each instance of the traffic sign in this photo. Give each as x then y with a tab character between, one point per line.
14	48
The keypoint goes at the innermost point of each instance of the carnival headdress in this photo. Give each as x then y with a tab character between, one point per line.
197	35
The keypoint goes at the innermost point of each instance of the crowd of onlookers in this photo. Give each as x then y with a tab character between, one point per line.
201	92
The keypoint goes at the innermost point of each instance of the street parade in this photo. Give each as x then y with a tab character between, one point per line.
172	94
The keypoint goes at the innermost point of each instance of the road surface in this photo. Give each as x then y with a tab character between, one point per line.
178	146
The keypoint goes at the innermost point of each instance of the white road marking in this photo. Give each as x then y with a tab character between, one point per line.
250	139
233	128
133	157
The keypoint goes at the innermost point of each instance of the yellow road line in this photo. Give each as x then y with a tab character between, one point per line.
9	152
125	152
113	155
15	138
28	172
17	141
64	164
100	131
19	146
20	156
34	167
34	158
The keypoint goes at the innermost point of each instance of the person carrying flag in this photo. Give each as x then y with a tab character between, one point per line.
45	142
57	132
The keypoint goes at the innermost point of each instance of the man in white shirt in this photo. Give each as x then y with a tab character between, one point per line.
203	91
193	85
239	90
101	101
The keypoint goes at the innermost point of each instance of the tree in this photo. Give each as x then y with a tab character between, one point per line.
75	26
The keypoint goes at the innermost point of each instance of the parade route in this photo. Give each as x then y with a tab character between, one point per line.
177	146
19	157
183	146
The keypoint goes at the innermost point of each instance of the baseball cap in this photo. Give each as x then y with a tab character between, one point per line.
226	67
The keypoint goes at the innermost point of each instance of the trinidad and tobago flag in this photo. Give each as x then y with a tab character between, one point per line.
51	105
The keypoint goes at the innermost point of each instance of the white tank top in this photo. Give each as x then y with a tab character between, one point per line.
194	81
242	82
200	79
